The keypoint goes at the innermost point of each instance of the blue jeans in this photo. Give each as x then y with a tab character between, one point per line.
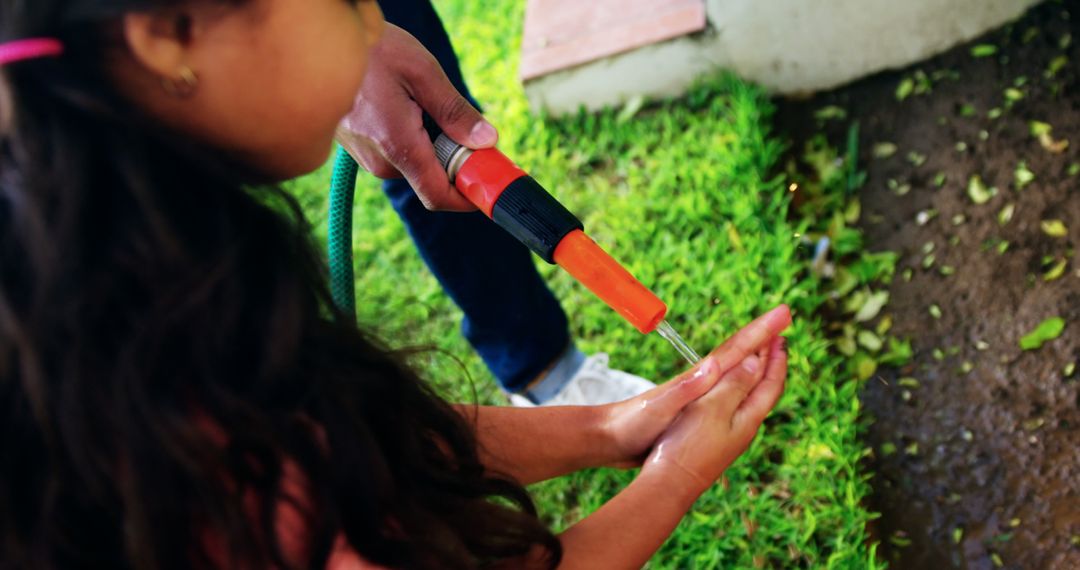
511	317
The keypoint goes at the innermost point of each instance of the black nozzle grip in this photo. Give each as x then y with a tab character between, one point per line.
534	217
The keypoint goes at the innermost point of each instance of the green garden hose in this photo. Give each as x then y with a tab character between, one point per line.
339	232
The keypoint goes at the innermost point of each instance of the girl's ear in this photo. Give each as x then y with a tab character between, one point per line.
159	40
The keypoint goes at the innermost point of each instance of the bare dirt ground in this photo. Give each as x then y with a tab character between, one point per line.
977	461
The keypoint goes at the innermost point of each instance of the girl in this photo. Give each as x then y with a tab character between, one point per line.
176	389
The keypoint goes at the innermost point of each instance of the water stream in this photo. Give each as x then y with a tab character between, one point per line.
677	341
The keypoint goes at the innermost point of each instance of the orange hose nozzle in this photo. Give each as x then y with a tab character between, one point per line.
579	255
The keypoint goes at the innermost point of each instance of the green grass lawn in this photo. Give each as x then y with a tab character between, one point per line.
684	194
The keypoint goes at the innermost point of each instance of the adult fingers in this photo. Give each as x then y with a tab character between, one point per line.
450	110
413	156
456	117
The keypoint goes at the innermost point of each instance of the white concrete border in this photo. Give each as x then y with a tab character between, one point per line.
788	46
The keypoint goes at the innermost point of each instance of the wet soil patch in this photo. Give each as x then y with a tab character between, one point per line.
976	462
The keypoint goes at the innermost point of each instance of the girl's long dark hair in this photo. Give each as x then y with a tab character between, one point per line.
168	347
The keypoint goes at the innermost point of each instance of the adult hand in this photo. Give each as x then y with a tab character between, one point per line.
634	425
384	132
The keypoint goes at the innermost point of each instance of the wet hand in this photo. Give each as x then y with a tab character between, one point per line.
384	132
634	425
718	427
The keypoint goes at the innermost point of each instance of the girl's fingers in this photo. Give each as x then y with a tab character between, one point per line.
735	385
670	398
765	394
751	337
696	382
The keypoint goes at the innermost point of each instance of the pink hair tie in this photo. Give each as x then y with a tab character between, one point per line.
30	48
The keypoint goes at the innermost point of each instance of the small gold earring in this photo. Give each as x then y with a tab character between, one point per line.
183	86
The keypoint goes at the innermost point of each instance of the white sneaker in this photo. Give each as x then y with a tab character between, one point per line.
595	383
